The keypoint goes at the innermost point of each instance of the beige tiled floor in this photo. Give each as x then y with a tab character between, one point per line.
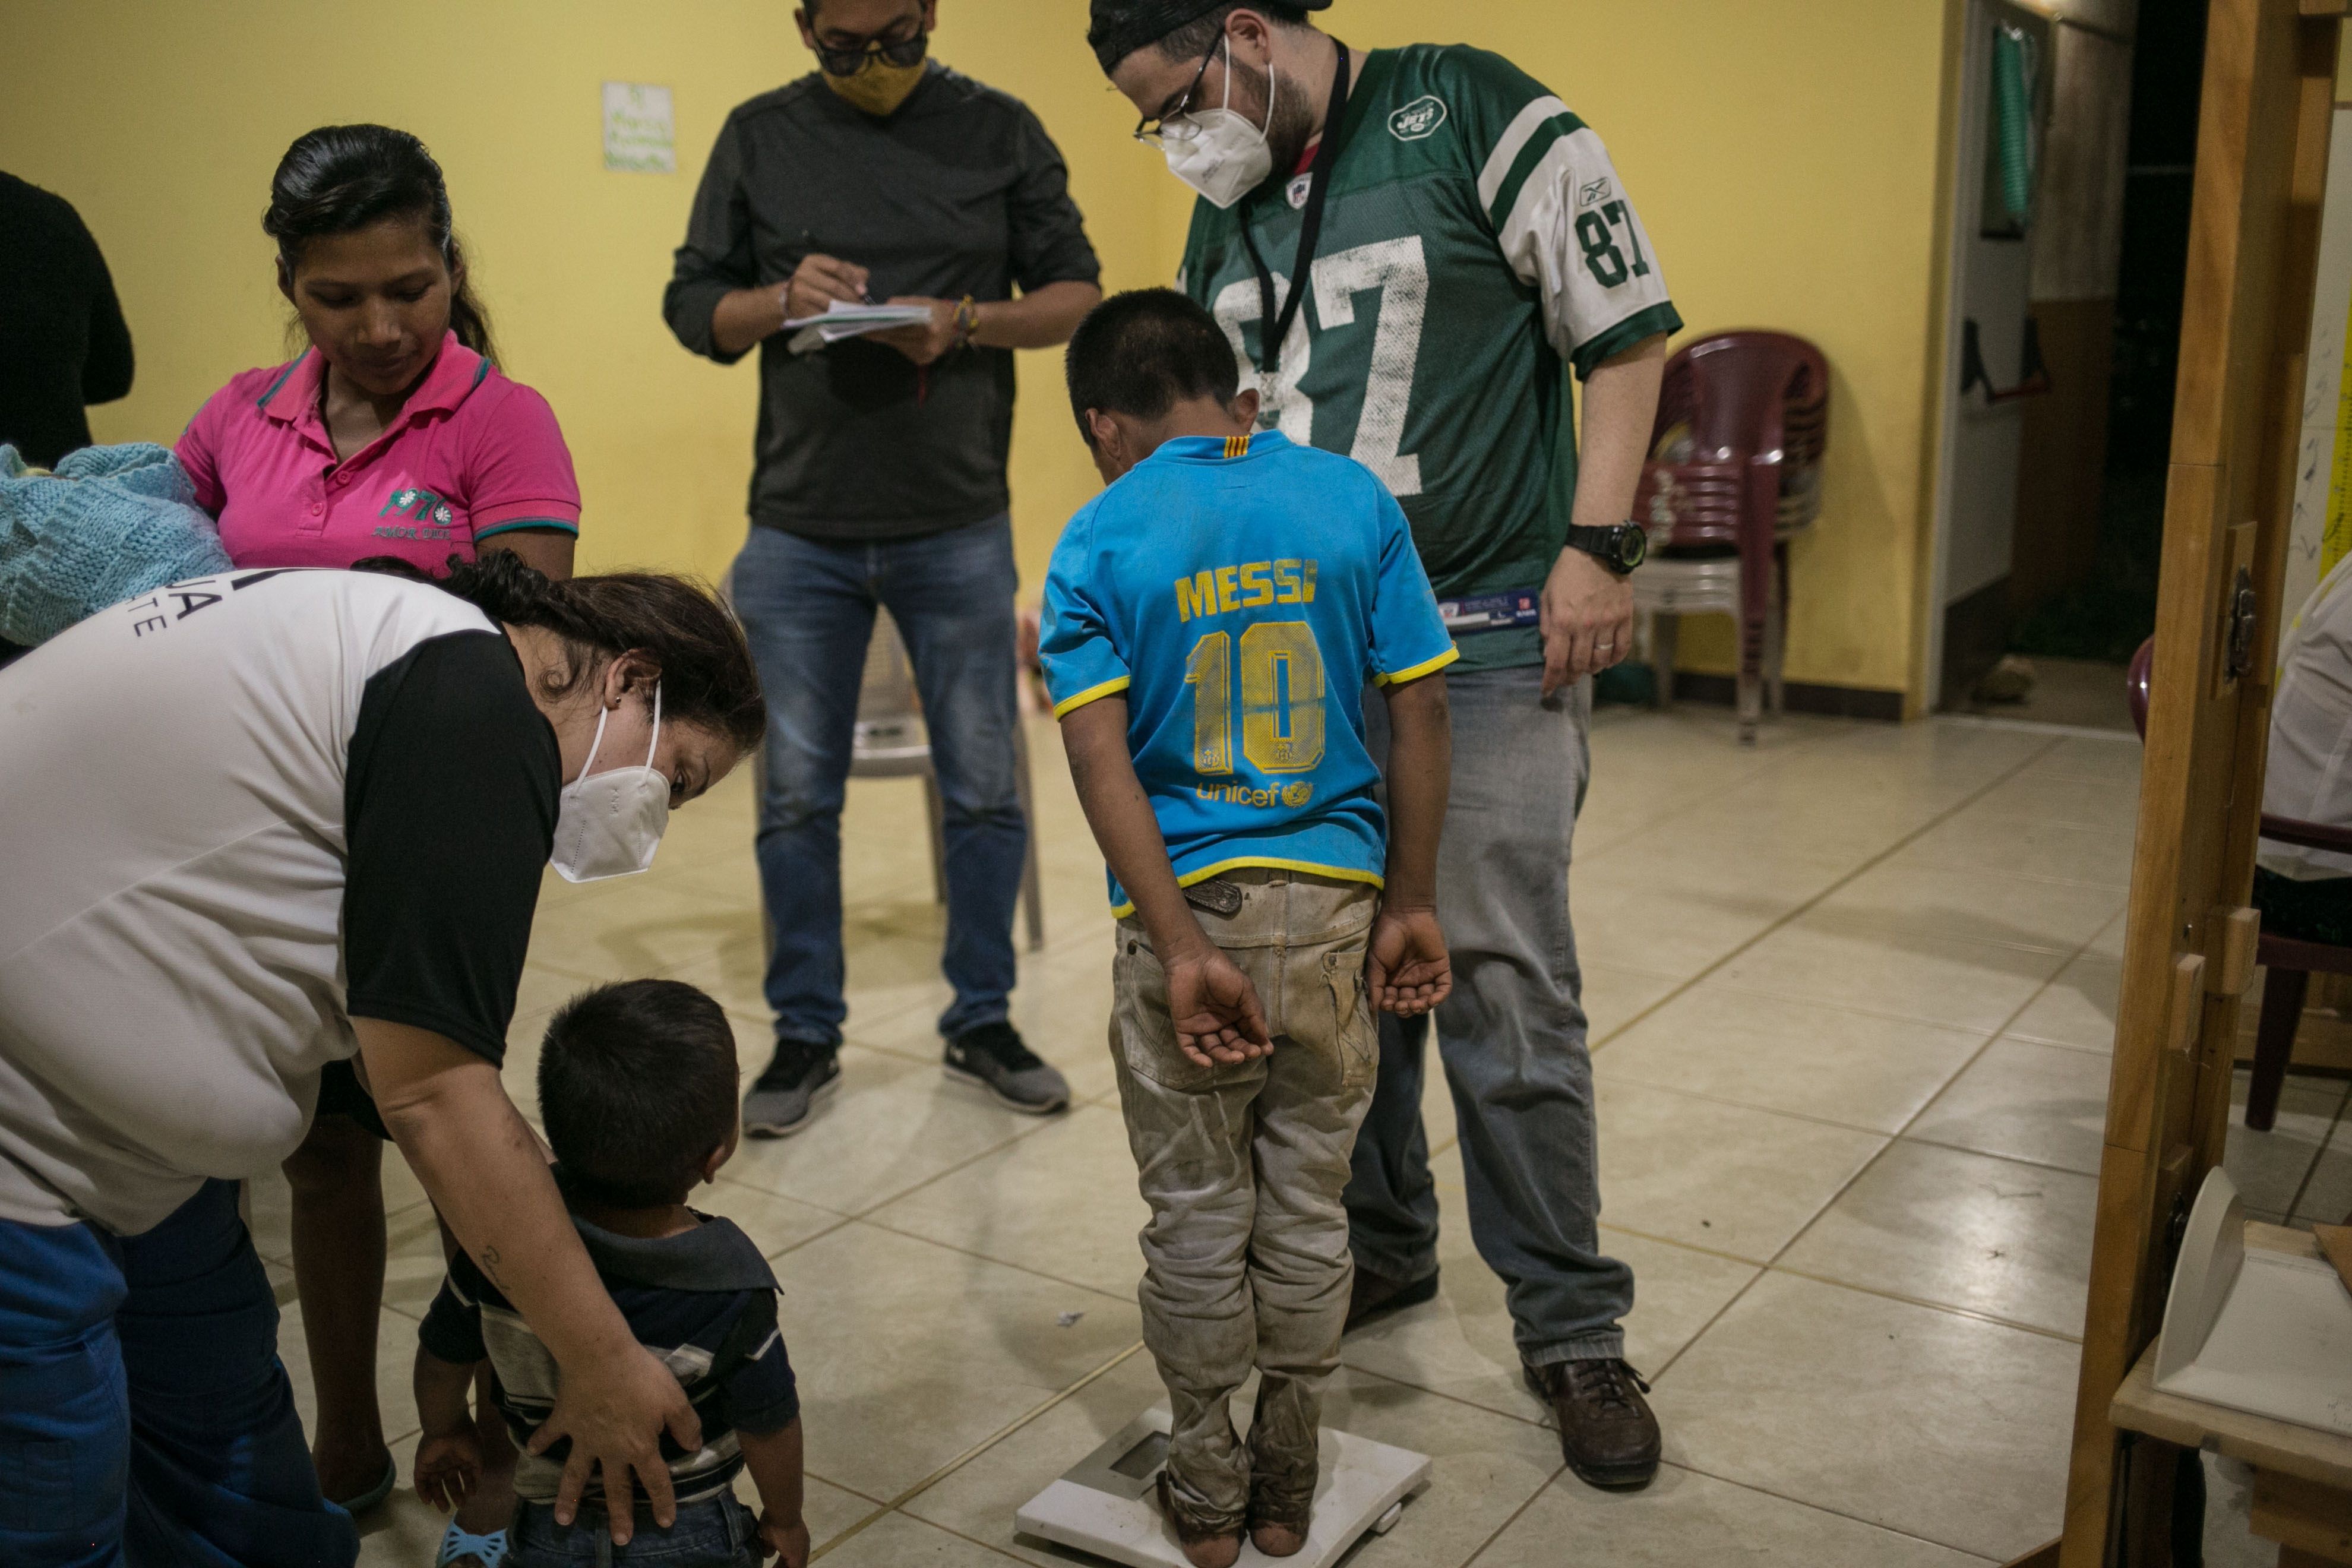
1852	996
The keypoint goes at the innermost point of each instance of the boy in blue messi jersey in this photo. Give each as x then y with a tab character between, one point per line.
1211	620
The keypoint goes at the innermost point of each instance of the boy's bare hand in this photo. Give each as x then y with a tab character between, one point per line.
1215	1010
788	1541
1408	969
448	1469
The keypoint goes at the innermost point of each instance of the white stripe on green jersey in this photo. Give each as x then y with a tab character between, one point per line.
1477	241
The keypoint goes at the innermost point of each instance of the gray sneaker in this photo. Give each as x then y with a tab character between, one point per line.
785	1097
993	1057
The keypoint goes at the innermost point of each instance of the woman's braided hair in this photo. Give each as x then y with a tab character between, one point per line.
675	623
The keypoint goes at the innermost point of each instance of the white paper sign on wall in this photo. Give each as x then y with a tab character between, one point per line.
640	133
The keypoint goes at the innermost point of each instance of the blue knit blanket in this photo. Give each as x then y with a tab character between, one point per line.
112	523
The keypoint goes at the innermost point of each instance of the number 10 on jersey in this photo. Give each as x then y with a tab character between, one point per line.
1281	699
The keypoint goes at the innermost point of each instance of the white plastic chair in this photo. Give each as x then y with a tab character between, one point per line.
891	742
1666	589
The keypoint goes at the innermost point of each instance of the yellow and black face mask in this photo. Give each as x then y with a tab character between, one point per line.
877	78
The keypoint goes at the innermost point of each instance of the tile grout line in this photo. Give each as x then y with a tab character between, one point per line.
1990	1039
1979	1314
1001	1263
1741	1294
2057	732
1809	904
2319	1153
1900	1136
1636	829
1546	1485
1805	1116
1039	1125
898	1503
1689	1468
2049	1165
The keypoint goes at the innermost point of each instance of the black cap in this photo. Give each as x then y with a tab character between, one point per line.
1122	27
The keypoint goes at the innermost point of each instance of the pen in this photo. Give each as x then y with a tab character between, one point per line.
809	245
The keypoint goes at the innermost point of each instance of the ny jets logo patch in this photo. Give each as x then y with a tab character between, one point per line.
1419	119
1598	190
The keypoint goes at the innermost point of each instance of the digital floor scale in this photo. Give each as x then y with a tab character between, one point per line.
1105	1504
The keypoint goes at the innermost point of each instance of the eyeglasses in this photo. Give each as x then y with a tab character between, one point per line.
849	63
1153	129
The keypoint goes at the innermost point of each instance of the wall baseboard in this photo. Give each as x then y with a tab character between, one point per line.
1802	696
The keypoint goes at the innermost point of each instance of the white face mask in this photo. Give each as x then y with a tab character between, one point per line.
1219	152
610	824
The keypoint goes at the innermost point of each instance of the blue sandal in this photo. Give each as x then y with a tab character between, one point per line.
490	1549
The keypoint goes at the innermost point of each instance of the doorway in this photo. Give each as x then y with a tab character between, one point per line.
2079	617
2055	450
1994	361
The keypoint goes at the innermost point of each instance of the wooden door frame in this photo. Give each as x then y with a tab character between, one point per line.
2263	120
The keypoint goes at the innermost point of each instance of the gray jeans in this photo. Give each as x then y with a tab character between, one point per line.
1511	1036
1245	1257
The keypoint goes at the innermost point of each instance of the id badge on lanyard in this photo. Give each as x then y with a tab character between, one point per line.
1274	325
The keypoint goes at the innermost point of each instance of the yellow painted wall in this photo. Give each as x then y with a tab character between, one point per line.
1784	158
167	151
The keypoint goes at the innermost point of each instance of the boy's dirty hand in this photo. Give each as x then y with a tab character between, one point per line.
1407	970
447	1468
786	1540
1215	1010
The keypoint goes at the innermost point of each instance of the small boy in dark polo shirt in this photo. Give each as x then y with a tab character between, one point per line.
636	1086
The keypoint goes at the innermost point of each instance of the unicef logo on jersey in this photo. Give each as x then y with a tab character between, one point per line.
1418	120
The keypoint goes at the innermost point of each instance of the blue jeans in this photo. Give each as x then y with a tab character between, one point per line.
808	610
717	1532
143	1414
1511	1036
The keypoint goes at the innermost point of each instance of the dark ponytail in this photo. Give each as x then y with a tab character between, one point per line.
338	178
680	626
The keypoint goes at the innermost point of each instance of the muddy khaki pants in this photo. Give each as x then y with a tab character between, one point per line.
1245	1257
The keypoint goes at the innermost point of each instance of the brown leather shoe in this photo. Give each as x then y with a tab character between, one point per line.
1376	1295
1607	1433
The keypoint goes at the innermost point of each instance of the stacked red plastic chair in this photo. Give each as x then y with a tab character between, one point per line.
1735	474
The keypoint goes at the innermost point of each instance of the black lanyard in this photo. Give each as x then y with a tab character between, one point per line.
1275	326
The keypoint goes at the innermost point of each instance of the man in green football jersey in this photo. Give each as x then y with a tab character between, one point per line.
1412	250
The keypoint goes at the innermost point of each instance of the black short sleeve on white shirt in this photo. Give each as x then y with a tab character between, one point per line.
451	803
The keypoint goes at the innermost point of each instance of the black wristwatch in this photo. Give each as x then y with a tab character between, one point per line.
1620	549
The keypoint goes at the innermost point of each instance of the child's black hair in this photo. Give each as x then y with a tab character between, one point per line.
1142	353
636	1086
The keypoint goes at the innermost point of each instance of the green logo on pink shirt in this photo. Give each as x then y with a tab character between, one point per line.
418	505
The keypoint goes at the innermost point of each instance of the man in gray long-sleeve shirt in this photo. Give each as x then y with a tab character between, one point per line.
880	480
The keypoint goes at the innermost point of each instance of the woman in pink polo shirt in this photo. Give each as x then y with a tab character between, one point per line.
392	434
